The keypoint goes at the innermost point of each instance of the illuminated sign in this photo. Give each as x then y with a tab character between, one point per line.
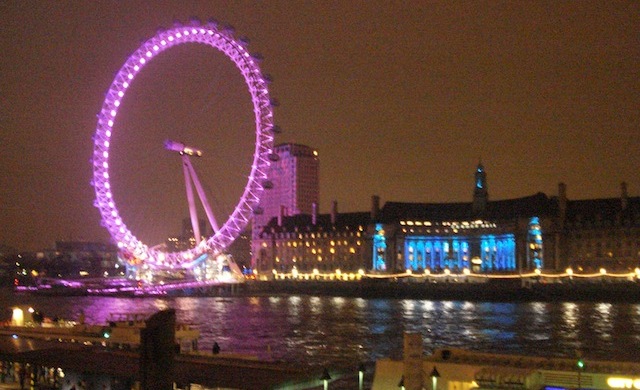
623	383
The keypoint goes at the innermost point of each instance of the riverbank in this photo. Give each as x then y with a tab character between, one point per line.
493	290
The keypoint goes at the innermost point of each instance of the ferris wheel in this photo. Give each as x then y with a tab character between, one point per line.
222	39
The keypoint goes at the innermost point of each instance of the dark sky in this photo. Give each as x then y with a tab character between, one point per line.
401	98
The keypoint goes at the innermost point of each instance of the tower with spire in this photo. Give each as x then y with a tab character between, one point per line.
480	191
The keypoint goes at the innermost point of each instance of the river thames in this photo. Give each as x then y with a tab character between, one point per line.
342	332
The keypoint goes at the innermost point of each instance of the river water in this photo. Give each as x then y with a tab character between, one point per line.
341	332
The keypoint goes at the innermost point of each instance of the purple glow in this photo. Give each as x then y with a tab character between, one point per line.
235	50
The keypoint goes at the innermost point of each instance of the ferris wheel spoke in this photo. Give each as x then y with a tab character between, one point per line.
193	214
201	194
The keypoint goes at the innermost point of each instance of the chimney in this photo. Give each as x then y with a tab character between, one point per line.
375	207
334	212
314	213
562	203
624	197
281	214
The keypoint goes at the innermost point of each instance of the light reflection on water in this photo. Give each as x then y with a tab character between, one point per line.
333	331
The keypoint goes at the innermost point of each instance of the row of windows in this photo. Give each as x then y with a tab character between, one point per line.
316	235
296	244
308	244
625	222
610	233
442	231
301	260
607	254
605	244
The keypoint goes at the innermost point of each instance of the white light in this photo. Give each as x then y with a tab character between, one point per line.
136	68
113	112
120	93
125	85
142	60
155	47
130	76
149	54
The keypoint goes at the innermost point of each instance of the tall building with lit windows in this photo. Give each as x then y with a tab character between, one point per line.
294	186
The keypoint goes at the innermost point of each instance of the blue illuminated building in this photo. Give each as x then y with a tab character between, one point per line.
481	236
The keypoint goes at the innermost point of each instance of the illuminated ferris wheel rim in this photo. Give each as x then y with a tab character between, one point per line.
236	50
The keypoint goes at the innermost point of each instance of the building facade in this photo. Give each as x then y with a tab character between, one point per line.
480	236
598	234
313	243
536	232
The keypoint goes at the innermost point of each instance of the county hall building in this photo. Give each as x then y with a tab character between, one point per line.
550	233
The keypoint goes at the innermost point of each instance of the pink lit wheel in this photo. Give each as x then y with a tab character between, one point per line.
236	50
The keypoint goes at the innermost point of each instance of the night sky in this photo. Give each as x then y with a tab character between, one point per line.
402	99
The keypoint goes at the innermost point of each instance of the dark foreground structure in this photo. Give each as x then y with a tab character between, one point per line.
52	364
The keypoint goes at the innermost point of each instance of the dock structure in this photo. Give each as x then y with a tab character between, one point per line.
116	357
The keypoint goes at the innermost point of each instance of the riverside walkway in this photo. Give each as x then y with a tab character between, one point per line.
123	366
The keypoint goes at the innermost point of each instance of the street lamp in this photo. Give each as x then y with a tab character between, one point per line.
434	378
580	365
325	378
361	369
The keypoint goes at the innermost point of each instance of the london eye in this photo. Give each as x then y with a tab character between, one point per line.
224	232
